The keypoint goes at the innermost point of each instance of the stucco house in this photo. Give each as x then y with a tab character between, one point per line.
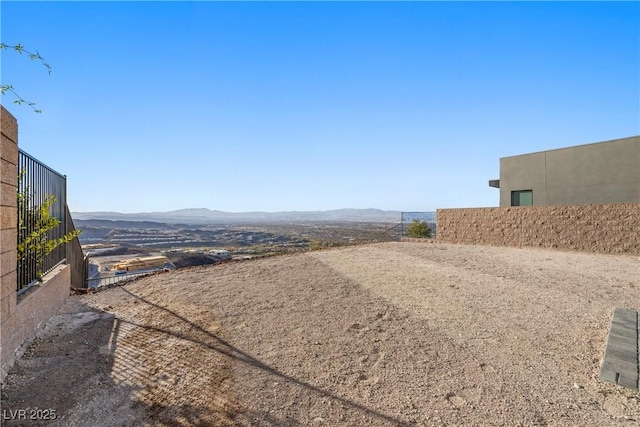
597	173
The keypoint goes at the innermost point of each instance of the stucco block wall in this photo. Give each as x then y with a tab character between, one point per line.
604	228
20	318
604	172
8	211
30	314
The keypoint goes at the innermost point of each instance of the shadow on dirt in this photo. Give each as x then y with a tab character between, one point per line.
94	368
68	364
221	346
87	368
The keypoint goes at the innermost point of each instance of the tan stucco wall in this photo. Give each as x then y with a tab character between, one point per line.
604	228
605	172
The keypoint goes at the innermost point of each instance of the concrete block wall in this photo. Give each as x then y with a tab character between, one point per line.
32	311
21	318
603	228
8	216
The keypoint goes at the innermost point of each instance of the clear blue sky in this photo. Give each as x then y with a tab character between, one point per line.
155	106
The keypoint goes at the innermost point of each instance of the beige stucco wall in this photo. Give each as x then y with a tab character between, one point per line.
605	172
604	228
20	319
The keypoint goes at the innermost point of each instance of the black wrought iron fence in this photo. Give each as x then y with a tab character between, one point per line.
42	196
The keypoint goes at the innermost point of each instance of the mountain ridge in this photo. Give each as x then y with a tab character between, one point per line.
208	216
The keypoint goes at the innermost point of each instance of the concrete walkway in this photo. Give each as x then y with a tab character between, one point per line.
620	364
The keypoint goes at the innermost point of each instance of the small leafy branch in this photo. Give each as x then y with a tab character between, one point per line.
9	88
34	226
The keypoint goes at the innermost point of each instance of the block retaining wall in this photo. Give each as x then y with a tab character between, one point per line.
20	319
605	228
31	312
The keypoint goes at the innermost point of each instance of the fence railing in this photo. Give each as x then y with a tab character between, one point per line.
37	184
407	218
95	282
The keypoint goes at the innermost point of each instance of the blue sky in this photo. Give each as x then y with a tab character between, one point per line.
276	106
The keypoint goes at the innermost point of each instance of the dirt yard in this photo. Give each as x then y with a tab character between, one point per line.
391	334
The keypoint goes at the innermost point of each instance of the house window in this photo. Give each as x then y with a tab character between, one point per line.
522	198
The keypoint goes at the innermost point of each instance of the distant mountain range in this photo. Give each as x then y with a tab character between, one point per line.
207	216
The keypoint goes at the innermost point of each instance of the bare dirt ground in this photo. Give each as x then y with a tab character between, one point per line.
390	334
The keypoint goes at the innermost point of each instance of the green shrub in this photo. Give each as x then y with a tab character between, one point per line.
34	225
419	229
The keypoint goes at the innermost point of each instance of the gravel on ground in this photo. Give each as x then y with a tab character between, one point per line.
389	334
